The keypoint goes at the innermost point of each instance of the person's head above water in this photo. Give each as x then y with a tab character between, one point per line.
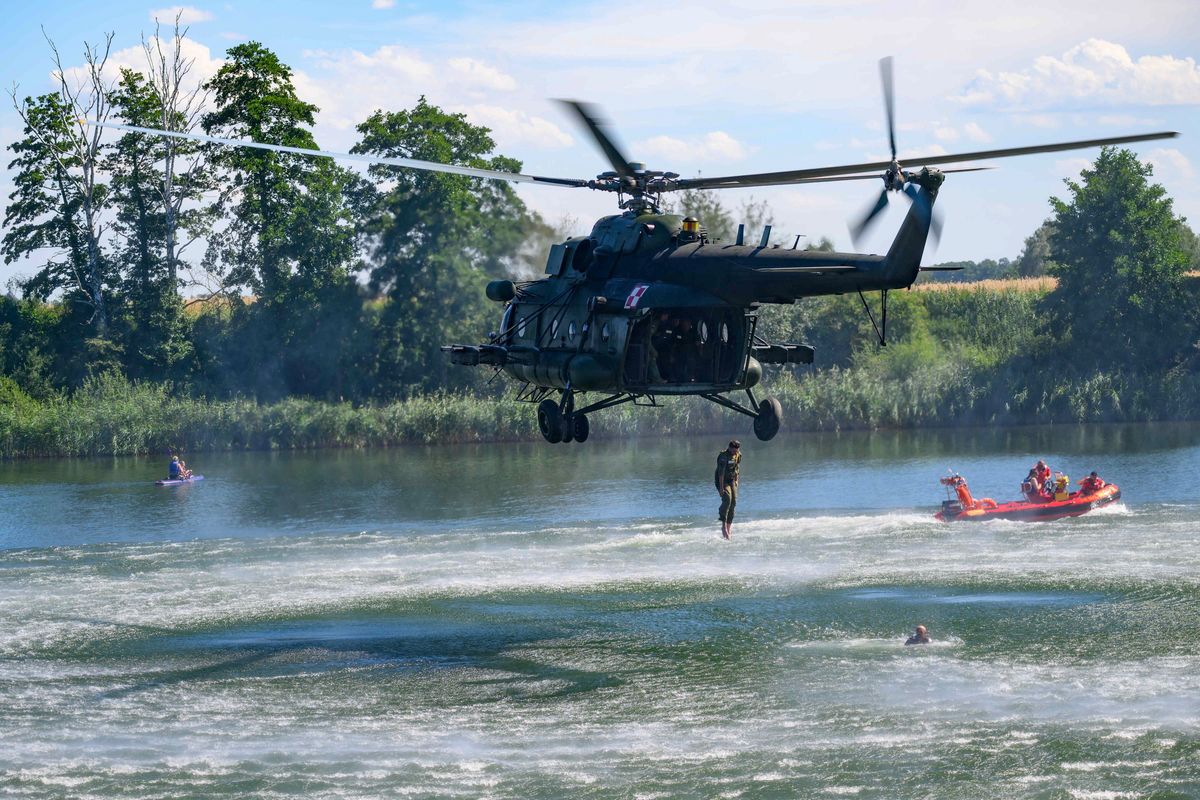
174	458
921	630
1093	475
1041	463
734	446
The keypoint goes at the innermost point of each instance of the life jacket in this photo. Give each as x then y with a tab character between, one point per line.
174	470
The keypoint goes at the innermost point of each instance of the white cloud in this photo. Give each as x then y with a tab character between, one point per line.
1126	120
946	133
348	85
976	133
381	4
1169	162
1097	71
713	146
513	126
480	74
187	15
1070	167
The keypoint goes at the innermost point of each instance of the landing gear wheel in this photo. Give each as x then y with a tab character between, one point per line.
770	416
568	427
550	421
580	427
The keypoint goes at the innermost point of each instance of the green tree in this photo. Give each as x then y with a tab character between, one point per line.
432	240
289	236
153	326
1034	260
1120	265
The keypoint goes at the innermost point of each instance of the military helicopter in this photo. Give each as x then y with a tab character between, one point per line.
648	306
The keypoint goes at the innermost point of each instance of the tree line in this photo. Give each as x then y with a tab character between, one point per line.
313	280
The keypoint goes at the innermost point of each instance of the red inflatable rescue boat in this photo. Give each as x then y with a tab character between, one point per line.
1062	504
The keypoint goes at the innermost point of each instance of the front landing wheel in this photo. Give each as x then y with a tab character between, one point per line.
550	421
770	417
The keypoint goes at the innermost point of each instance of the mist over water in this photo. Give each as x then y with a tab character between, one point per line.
548	621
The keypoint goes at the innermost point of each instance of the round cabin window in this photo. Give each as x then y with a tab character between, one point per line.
605	332
724	333
703	330
571	329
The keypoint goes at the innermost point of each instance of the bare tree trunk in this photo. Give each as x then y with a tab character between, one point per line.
86	98
180	109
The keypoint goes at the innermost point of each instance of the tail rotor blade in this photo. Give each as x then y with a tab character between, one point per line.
889	100
859	228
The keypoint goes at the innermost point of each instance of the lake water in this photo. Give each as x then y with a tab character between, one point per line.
529	621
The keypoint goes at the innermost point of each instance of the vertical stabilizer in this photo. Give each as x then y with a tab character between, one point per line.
903	261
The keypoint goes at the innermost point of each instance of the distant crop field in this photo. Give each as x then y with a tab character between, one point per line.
1040	285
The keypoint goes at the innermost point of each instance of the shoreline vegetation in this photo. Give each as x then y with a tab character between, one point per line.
110	418
961	356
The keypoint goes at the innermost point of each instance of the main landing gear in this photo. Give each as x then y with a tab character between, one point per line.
560	421
767	414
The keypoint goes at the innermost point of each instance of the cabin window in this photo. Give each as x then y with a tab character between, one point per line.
724	333
571	330
506	324
553	328
605	332
702	330
521	328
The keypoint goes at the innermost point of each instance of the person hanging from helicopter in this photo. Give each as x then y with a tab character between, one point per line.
729	467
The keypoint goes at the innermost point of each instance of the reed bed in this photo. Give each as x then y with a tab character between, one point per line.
114	417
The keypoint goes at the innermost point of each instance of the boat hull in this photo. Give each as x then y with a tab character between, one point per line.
1026	511
180	481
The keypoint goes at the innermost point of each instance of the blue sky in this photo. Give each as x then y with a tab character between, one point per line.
720	87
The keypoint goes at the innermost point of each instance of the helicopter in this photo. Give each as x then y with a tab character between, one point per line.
648	306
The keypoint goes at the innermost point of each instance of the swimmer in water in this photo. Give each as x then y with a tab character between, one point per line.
920	636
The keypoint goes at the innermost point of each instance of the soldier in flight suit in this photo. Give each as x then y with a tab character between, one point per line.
728	468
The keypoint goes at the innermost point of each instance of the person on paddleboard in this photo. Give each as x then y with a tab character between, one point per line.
726	477
177	470
920	636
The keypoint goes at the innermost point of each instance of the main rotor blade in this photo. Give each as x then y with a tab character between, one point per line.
411	163
880	177
806	175
589	115
889	100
